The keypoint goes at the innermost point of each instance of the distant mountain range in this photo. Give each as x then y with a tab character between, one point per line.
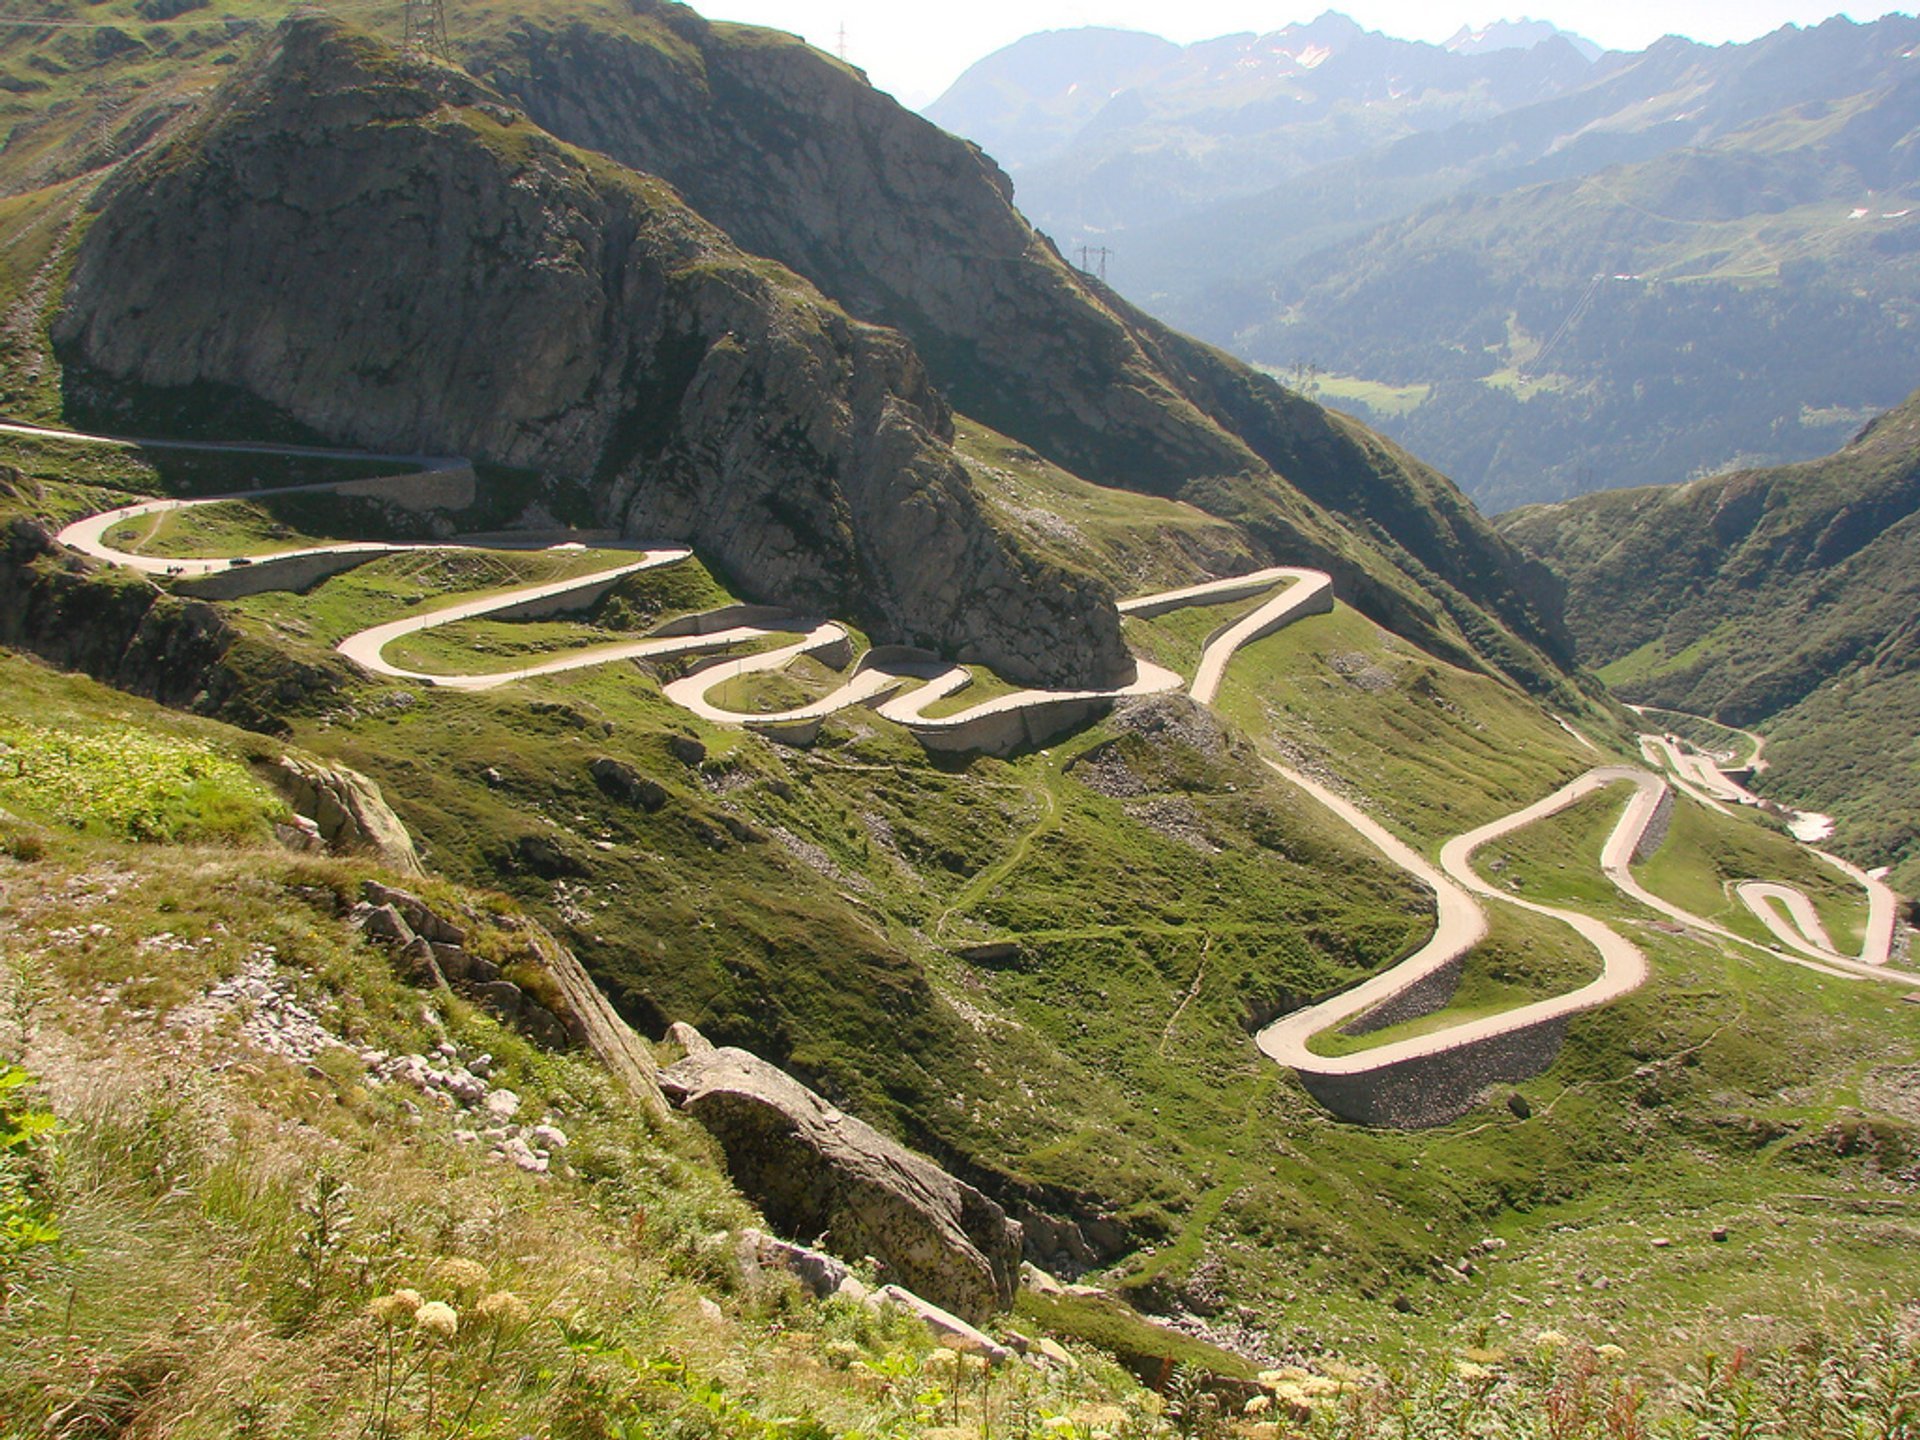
1113	129
1547	270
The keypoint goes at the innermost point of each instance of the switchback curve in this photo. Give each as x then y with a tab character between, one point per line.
905	685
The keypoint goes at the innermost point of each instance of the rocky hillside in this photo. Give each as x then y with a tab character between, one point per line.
1783	599
478	288
783	153
795	158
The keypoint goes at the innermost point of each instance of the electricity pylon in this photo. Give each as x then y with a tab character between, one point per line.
426	30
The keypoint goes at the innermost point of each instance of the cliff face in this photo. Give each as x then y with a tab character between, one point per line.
909	227
401	261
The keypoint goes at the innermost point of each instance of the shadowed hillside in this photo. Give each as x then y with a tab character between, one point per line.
1783	599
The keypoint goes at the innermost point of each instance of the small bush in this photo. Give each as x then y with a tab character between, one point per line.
26	1208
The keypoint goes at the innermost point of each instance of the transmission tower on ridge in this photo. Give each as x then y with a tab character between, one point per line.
1092	256
426	30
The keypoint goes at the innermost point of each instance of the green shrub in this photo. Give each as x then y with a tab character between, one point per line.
26	1140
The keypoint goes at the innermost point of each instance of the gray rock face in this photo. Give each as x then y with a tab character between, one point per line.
895	220
817	1172
349	810
622	782
909	227
400	261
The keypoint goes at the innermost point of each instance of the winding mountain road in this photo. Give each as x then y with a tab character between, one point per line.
1797	924
1463	923
1306	592
902	685
1801	929
88	536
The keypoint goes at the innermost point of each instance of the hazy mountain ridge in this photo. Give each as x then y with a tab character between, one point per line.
1515	35
1644	323
1388	266
1175	130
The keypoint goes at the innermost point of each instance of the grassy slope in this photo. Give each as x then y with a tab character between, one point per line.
1780	599
201	1287
198	1292
1432	749
1065	1056
806	903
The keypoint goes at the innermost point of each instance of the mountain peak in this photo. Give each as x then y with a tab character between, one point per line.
1330	25
1319	39
1521	34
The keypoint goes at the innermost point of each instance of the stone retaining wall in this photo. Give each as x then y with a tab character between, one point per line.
1256	585
567	602
1417	1001
450	489
1433	1090
1655	835
711	622
1002	732
291	572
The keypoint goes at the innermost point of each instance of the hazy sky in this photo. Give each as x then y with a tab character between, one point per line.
916	49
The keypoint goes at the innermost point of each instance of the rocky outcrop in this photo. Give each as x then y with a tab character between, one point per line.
123	630
601	1027
351	813
816	1172
825	1275
948	1330
430	948
620	781
393	257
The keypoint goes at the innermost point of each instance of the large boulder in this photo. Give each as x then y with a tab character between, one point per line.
351	813
819	1174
